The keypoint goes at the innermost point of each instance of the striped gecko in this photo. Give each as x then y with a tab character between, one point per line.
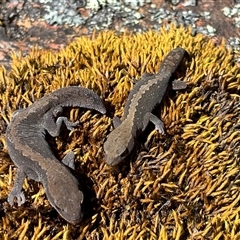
146	94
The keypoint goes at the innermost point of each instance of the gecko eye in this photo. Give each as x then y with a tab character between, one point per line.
125	153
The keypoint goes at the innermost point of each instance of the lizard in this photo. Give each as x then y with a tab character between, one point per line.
142	99
29	150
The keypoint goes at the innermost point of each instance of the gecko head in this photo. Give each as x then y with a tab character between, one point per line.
118	145
64	195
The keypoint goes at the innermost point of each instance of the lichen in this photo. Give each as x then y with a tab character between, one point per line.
182	185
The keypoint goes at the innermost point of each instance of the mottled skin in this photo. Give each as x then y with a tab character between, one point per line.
32	155
146	94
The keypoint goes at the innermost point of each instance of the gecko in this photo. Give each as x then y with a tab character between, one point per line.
29	150
146	94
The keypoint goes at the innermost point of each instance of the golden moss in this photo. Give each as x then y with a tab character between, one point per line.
181	185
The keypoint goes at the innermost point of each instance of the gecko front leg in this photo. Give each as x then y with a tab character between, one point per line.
52	121
149	117
17	189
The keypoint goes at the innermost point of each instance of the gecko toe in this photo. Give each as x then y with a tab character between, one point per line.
10	199
71	125
21	199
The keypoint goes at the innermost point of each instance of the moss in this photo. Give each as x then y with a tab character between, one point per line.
182	185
